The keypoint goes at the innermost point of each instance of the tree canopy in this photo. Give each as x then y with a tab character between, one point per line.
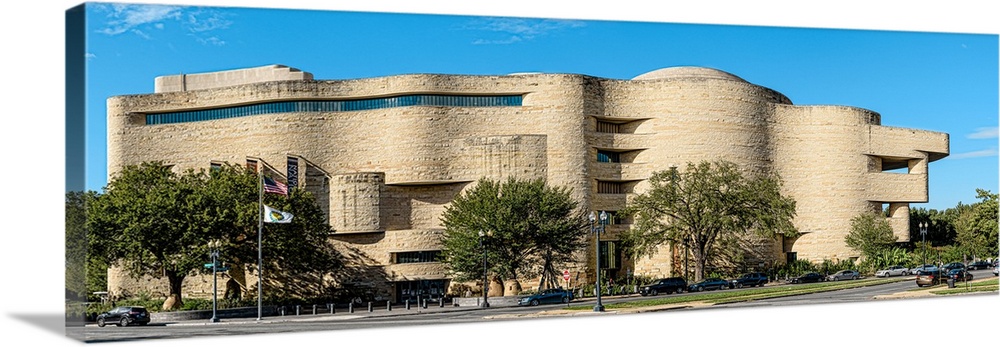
702	205
153	221
976	227
527	225
870	234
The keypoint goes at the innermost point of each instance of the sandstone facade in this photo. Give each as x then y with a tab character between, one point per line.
385	155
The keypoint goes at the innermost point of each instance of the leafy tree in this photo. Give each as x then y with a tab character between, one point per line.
527	224
153	221
976	227
704	204
870	234
940	225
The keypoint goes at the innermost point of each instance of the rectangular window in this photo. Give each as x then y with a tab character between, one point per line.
216	166
606	127
417	257
605	187
252	165
608	157
610	255
614	218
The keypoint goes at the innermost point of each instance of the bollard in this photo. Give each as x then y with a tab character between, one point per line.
388	305
314	309
333	308
441	302
425	303
370	309
298	310
407	303
282	310
350	307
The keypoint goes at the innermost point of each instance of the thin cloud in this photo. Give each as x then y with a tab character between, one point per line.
140	20
514	30
992	152
985	133
126	18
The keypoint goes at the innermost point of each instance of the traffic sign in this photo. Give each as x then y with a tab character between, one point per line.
566	275
208	266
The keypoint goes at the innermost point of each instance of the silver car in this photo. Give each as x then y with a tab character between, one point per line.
892	271
844	275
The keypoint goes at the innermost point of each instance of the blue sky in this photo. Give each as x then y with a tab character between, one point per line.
935	81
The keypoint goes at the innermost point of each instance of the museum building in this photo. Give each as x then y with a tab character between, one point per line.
385	155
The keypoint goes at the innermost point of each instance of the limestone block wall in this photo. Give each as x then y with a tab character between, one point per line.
384	176
218	79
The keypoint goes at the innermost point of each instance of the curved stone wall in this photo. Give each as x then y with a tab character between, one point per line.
385	175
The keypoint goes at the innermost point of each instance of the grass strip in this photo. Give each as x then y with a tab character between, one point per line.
970	289
723	297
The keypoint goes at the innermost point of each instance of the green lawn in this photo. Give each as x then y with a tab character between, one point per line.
726	296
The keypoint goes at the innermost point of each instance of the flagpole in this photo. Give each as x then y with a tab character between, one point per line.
260	230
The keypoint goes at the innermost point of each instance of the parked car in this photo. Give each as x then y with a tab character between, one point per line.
925	267
124	316
959	275
811	277
709	284
897	270
749	280
928	278
844	275
664	285
978	265
951	266
548	296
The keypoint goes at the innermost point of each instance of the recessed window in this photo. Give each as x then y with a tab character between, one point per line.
609	187
416	257
608	157
334	106
608	127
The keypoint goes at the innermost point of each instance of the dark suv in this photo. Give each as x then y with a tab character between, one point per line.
124	316
749	280
664	285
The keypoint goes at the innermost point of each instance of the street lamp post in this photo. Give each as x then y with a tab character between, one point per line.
923	240
486	284
214	245
598	307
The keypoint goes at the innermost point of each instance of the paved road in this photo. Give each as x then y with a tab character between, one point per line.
435	315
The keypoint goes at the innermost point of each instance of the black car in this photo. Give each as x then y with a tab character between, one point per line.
978	265
664	285
952	266
124	316
749	280
959	275
548	296
811	277
709	284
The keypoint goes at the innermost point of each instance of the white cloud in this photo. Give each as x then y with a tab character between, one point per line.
992	152
200	23
985	133
89	56
125	17
519	29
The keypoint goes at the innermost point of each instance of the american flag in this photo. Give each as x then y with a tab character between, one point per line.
272	186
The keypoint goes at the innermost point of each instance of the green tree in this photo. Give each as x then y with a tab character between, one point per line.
702	205
153	221
976	227
870	234
526	224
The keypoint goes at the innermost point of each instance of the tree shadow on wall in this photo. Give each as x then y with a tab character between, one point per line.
360	279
